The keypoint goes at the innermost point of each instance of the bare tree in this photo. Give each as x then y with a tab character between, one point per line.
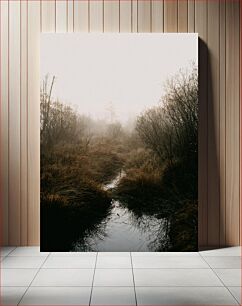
170	129
45	101
59	122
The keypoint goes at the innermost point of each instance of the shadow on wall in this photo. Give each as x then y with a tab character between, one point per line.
209	226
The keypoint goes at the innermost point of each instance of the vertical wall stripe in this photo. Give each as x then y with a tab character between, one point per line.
240	107
171	15
134	16
232	121
183	16
96	16
222	120
111	16
14	123
213	123
33	122
48	16
61	16
125	16
23	123
70	15
191	16
240	189
201	28
81	16
4	122
144	16
157	16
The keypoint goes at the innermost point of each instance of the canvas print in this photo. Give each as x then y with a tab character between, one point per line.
119	142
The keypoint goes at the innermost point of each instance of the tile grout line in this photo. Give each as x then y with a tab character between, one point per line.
233	295
34	278
185	268
220	280
135	295
51	256
105	286
14	248
90	299
3	258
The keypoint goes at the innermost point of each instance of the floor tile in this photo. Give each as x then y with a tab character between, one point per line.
57	296
169	262
113	277
175	277
166	254
23	262
11	295
73	254
230	277
64	277
4	251
113	296
236	292
231	251
232	262
70	262
184	296
114	262
17	277
114	254
28	251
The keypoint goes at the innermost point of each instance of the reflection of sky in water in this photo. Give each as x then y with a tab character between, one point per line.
123	231
120	232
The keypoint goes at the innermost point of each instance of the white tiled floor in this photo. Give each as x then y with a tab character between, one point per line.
57	296
23	262
169	262
29	277
186	296
113	277
113	296
64	277
219	262
71	263
113	262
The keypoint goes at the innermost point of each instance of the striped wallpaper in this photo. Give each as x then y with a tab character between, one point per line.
218	25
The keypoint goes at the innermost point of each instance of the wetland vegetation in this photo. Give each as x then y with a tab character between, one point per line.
110	186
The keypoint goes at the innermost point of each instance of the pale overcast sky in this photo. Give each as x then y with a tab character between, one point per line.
126	70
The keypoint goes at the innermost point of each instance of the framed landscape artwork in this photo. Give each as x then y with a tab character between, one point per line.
119	142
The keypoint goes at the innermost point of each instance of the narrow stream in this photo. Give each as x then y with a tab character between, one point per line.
122	231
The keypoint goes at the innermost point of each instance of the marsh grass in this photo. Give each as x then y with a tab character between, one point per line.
158	156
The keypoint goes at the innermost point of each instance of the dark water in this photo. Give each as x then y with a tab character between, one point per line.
123	231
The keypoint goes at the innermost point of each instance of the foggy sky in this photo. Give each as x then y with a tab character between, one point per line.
114	76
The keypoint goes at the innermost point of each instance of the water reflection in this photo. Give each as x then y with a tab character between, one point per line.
123	231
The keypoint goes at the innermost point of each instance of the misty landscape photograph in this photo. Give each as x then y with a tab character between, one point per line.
119	142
